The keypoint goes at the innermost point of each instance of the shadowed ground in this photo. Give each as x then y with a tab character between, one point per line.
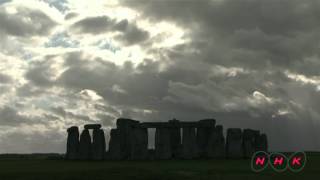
157	170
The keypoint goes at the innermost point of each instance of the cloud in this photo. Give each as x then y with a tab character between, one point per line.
25	22
5	79
248	64
129	33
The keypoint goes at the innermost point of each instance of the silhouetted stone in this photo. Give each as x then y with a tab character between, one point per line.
162	144
248	142
92	126
125	127
139	149
85	148
234	143
175	140
189	144
130	141
72	143
114	152
98	144
216	144
204	131
262	143
151	154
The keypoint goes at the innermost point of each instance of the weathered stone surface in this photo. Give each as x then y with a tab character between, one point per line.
248	142
92	126
262	143
114	152
216	144
234	143
98	144
85	148
139	140
162	144
72	143
204	131
189	144
125	127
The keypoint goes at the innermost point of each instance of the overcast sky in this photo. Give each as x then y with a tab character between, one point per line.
247	63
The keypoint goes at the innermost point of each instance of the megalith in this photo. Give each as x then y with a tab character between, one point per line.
234	143
139	149
204	131
114	152
248	142
85	149
162	143
72	143
262	143
175	138
125	127
216	144
189	144
98	144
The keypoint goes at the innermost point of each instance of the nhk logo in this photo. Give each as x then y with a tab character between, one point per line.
278	161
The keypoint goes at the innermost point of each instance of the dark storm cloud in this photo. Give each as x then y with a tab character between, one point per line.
130	33
26	22
281	32
234	68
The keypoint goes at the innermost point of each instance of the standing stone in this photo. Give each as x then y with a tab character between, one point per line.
125	127
234	143
72	143
175	138
139	149
85	145
249	140
189	144
204	131
216	144
98	144
262	143
114	152
163	144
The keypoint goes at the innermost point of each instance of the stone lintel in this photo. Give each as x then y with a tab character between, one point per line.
92	126
180	124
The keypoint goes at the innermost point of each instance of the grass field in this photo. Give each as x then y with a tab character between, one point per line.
156	170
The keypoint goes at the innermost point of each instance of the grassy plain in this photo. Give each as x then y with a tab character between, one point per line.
40	169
